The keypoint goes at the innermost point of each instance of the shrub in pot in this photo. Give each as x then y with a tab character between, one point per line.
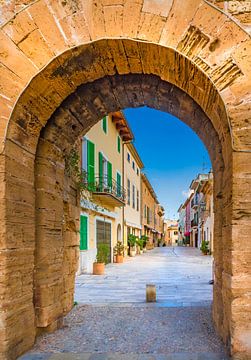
204	247
119	252
132	244
101	259
140	243
144	238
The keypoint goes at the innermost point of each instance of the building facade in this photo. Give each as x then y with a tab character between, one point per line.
101	218
181	224
150	212
206	212
196	214
171	231
132	181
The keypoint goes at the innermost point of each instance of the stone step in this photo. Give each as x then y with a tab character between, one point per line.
129	356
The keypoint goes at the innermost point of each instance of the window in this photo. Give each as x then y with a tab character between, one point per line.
145	212
133	196
84	154
133	165
148	215
118	184
128	157
88	161
137	206
83	232
119	144
128	191
138	171
105	172
104	124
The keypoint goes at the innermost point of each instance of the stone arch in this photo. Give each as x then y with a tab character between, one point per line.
89	42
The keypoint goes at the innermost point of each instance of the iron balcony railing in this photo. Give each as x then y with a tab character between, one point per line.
107	185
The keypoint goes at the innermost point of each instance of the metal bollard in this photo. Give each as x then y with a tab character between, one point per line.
150	293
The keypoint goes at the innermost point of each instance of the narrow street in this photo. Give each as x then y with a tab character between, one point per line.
112	320
181	276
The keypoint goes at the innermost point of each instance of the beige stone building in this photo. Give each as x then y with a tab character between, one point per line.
159	222
132	182
151	212
171	232
101	218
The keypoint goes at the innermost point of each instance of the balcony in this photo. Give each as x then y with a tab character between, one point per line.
107	191
195	202
194	223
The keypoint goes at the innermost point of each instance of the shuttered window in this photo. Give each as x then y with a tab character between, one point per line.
90	162
109	174
133	196
104	124
83	232
137	208
119	144
128	191
118	184
101	170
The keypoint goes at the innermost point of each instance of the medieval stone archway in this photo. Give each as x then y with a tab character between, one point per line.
61	76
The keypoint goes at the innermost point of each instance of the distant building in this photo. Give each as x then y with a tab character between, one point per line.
171	232
196	198
151	213
182	224
206	212
132	180
196	218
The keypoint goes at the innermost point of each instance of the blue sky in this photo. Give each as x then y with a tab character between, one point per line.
171	152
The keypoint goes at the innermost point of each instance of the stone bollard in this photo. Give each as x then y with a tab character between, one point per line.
150	293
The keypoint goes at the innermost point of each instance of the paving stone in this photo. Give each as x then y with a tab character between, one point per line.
181	276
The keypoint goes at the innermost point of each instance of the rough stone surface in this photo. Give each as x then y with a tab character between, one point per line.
112	317
196	47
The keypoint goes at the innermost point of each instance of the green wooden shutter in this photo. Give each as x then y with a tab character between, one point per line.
83	232
118	184
101	171
91	163
119	144
104	124
109	174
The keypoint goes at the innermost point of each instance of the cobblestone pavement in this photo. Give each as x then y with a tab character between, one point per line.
181	275
116	324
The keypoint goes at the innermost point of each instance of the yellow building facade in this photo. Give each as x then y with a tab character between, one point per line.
101	218
132	184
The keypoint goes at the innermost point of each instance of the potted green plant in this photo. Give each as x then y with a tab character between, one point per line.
204	247
101	259
119	252
144	239
140	244
132	242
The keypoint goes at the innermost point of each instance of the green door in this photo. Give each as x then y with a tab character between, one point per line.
91	164
83	232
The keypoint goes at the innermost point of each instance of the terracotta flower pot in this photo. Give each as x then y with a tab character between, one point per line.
119	259
98	268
